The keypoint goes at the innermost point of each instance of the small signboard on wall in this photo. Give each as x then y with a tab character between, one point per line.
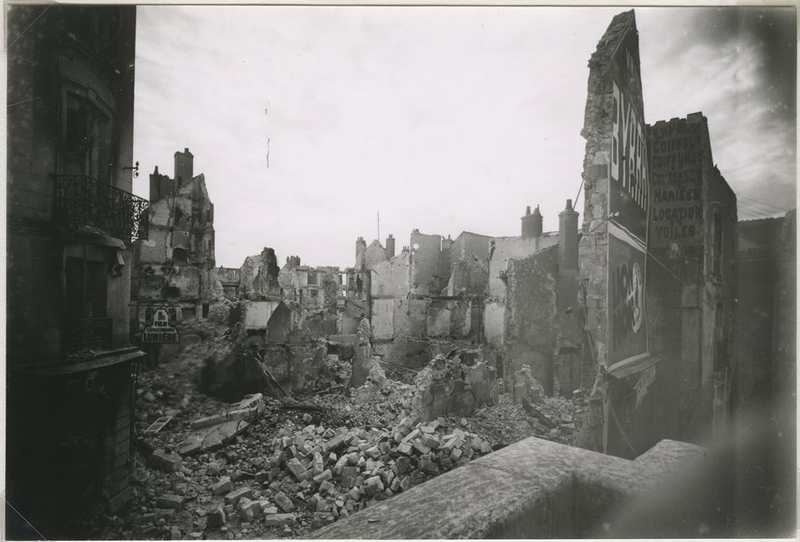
161	329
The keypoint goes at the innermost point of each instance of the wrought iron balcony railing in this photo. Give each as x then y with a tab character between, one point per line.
95	333
82	201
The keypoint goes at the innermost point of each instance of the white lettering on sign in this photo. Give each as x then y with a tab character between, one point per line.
169	335
160	318
160	331
628	149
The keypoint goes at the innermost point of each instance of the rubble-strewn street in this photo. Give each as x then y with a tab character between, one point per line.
267	467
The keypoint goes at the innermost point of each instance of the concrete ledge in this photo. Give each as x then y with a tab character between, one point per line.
532	489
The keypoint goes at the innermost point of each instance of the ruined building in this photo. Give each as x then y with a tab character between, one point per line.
503	295
657	280
175	266
541	326
71	223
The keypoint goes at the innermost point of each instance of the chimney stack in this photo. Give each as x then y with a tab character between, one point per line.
390	247
532	223
568	238
361	246
184	166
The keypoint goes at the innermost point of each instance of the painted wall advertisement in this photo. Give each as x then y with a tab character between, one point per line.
628	204
626	323
676	180
628	169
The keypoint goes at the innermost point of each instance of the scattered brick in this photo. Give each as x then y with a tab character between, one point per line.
215	518
172	502
279	520
163	461
283	502
233	497
224	485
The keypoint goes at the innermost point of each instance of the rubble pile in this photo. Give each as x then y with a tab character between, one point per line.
449	387
266	467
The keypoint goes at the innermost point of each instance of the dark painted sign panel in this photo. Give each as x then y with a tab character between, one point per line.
627	329
161	330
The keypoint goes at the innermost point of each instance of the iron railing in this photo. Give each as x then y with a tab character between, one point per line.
87	333
82	201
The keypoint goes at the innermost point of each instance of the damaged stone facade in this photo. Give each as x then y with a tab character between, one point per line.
669	376
541	329
501	250
175	266
416	307
692	282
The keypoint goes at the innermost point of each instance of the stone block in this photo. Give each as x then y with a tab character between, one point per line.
420	447
224	485
341	463
173	502
267	508
430	441
455	441
373	485
215	518
334	444
326	487
235	496
403	465
429	466
324	475
387	476
284	502
404	448
249	510
318	464
279	520
295	467
163	461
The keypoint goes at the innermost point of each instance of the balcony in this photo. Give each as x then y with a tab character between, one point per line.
94	333
81	201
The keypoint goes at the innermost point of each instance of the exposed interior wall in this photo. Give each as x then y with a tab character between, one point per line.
501	250
531	316
424	262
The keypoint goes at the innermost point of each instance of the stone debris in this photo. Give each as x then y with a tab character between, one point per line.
163	460
287	472
526	388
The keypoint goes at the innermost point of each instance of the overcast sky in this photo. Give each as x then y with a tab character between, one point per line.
307	122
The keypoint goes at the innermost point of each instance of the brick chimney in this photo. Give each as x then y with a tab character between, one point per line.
390	246
532	223
568	238
361	246
184	166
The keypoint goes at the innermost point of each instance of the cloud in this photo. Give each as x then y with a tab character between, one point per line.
731	64
442	119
